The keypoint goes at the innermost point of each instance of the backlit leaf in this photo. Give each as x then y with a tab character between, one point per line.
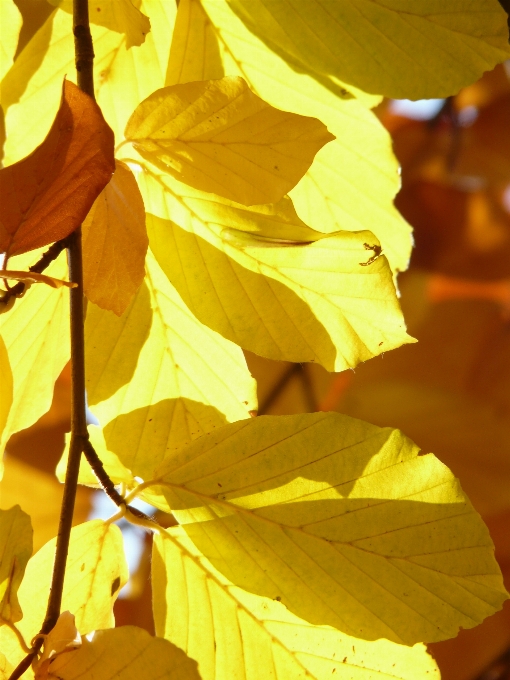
157	378
115	243
95	573
33	277
294	301
15	551
31	89
36	335
401	49
117	15
218	136
47	195
234	634
125	653
342	520
9	17
353	180
6	388
5	668
62	639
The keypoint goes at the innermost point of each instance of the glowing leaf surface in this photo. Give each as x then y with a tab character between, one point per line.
96	571
232	633
115	243
15	551
342	520
321	299
125	653
218	136
401	49
5	385
151	387
9	17
36	335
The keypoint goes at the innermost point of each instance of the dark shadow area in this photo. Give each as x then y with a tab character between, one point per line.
114	344
143	438
220	293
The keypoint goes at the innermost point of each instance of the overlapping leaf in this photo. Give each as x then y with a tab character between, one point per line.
47	195
218	136
341	520
31	88
120	16
15	551
232	633
125	653
6	393
358	169
403	50
36	335
9	17
321	299
157	378
115	243
95	573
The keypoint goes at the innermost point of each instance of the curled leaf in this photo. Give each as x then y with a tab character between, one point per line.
218	136
33	277
47	195
63	638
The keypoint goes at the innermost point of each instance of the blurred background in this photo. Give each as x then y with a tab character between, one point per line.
450	392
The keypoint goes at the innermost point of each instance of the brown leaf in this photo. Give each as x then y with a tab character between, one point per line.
115	243
47	195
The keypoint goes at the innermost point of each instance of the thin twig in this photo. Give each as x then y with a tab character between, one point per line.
43	263
277	389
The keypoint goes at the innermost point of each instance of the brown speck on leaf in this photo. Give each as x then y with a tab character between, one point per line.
345	660
380	344
377	251
253	414
278	598
219	484
115	585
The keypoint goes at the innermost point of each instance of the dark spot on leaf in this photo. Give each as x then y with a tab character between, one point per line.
115	585
380	344
219	484
345	660
82	567
278	598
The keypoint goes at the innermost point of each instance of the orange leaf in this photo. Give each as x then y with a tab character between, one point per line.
47	195
115	243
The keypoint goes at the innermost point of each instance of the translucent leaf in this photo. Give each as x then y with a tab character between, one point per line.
125	653
117	472
5	668
36	334
294	301
115	243
96	571
15	551
120	16
62	639
47	195
151	388
9	17
218	136
6	386
401	49
353	179
232	633
195	52
31	88
342	520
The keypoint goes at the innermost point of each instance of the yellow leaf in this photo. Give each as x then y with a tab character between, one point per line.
15	551
117	472
125	653
195	52
218	136
6	387
415	50
151	387
62	639
288	302
342	520
5	668
120	16
10	21
234	634
36	335
115	243
31	91
353	180
96	571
